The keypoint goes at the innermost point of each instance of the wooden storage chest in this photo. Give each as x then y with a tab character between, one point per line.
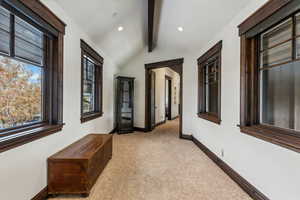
75	169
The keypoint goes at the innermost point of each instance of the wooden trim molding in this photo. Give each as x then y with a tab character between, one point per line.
42	195
89	50
173	118
243	183
211	52
89	117
210	117
26	136
251	190
274	135
45	13
186	137
178	63
113	131
160	123
261	14
167	63
138	129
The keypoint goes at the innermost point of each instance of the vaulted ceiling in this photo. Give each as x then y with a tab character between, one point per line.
200	19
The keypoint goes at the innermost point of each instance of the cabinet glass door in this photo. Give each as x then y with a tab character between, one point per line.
126	104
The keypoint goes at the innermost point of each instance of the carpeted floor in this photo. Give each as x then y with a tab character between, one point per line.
160	166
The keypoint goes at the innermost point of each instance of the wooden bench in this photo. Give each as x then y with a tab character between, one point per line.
75	169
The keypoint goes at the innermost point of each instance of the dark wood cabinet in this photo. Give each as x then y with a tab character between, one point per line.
124	104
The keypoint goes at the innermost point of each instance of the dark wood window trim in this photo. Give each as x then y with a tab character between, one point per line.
36	13
98	61
262	14
272	13
215	51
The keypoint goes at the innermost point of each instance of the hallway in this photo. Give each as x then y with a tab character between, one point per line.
160	166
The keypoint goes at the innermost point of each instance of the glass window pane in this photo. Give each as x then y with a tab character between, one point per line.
20	93
90	71
280	96
88	98
277	55
29	42
126	121
29	52
4	42
28	32
88	86
126	101
278	34
4	30
298	24
298	47
211	87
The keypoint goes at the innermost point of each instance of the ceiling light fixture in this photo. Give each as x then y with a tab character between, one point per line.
120	28
180	28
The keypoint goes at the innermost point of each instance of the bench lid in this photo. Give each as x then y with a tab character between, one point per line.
84	148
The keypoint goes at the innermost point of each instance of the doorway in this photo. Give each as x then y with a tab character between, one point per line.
168	98
177	66
152	99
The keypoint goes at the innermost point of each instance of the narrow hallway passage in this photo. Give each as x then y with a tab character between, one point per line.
160	166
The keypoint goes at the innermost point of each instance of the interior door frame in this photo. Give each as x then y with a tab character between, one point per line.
152	73
176	65
169	79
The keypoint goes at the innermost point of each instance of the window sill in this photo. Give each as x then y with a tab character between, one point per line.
89	117
24	136
282	137
210	117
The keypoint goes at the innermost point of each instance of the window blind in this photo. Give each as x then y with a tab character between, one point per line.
4	31
29	43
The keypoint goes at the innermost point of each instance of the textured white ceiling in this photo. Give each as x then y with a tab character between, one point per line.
201	19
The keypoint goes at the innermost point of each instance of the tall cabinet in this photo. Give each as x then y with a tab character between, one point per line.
124	104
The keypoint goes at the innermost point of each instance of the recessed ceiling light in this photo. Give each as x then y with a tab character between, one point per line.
180	28
120	28
115	14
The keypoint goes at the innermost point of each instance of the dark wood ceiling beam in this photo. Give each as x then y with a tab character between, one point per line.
151	10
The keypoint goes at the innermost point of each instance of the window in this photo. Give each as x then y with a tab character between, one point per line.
91	83
209	84
22	73
270	76
279	74
30	101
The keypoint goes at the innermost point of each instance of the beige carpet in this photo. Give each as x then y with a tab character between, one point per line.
160	166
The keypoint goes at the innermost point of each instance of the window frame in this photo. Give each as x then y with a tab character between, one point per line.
38	15
98	61
269	15
215	51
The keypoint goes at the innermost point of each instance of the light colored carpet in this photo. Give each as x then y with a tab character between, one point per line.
160	166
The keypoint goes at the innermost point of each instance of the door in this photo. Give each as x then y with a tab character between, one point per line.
168	100
152	98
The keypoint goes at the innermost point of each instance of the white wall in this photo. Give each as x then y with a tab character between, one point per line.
135	68
160	111
23	170
272	169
